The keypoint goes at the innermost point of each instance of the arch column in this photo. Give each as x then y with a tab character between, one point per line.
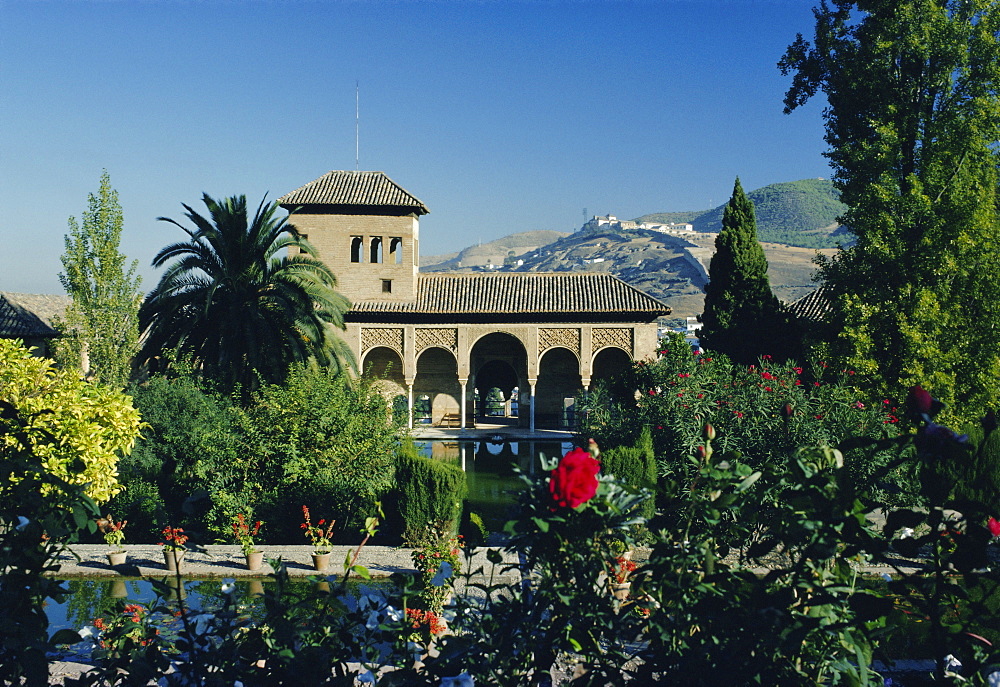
409	403
462	412
531	407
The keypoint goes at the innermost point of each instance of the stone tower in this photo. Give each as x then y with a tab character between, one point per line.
366	228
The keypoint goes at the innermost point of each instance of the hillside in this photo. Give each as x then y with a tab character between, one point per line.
794	219
796	213
493	253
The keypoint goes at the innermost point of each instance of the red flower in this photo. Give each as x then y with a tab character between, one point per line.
574	481
918	401
994	526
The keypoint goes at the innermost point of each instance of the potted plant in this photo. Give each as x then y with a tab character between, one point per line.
244	534
173	547
114	536
618	576
320	539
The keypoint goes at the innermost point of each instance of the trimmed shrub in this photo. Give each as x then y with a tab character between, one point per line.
431	493
635	466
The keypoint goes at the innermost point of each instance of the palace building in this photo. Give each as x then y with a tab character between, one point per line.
437	339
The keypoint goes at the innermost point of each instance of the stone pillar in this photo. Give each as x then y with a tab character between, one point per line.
409	402
531	412
461	423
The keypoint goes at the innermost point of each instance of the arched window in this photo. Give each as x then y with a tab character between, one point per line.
396	250
356	247
376	252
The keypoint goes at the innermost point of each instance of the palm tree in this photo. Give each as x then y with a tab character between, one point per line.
236	306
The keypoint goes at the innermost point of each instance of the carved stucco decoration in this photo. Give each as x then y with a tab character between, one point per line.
564	337
390	337
442	338
618	337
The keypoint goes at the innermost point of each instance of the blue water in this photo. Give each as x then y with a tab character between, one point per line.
90	598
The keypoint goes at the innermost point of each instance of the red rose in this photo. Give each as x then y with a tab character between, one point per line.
574	481
994	526
918	401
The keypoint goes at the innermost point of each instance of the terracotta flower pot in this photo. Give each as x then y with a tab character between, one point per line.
255	560
321	561
255	588
173	558
117	558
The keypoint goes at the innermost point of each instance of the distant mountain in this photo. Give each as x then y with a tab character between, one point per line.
796	213
495	252
793	220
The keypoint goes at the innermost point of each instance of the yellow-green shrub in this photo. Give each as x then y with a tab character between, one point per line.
78	430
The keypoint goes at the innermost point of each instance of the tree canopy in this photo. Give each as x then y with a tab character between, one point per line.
236	305
78	430
912	124
100	331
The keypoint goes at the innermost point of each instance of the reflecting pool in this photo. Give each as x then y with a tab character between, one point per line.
489	469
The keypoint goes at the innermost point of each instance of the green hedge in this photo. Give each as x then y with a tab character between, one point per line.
430	493
635	466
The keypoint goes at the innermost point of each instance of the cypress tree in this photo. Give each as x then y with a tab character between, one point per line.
741	314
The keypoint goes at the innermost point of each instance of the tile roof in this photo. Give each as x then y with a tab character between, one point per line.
353	188
813	307
30	315
520	293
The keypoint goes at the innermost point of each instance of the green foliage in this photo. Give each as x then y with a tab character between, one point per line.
747	406
438	561
78	430
236	306
142	505
634	466
317	439
566	605
431	493
804	622
472	529
40	513
699	611
190	444
101	324
741	317
974	473
913	88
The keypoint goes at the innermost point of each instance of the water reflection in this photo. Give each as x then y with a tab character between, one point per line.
489	468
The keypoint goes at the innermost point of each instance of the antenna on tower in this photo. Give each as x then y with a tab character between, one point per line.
357	126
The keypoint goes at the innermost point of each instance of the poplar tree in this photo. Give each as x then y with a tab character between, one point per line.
741	312
913	125
100	331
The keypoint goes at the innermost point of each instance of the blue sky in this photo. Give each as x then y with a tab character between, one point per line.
501	116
